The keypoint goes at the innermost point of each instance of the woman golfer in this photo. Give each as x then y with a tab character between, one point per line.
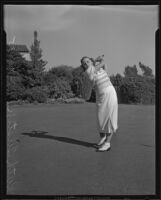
106	99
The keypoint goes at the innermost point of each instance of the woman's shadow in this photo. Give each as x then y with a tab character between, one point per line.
43	134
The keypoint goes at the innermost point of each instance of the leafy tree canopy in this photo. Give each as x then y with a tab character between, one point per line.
147	71
131	71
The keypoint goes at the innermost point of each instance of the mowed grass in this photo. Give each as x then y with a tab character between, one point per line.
56	157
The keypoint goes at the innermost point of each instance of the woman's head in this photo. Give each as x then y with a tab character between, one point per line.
86	62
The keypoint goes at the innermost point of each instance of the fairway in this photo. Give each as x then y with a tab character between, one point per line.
56	156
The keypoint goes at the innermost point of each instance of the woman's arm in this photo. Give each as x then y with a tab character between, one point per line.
105	67
87	85
101	65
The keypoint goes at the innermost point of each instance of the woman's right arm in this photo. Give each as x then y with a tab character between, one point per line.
87	86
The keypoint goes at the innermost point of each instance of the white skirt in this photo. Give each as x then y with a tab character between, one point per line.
107	110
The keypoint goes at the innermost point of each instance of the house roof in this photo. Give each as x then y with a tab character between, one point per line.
19	47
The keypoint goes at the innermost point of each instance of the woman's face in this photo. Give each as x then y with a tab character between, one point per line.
87	62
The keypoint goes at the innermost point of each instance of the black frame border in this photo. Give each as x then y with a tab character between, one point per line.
3	194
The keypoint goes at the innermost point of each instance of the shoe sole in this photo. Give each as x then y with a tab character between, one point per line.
97	146
103	150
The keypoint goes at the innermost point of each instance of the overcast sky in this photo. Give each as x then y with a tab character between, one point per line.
124	34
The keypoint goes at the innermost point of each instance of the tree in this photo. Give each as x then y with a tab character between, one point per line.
131	71
12	58
62	71
18	66
37	62
130	90
78	80
147	71
59	81
20	75
15	87
117	82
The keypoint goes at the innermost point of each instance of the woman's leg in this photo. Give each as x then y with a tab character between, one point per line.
102	134
103	138
106	144
109	137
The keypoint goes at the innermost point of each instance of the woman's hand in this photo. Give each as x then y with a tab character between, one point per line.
99	59
99	66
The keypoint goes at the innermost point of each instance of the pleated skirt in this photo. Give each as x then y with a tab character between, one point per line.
107	110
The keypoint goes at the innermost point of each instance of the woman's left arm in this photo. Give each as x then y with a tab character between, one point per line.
101	65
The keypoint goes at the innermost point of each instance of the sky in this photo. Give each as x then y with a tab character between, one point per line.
124	34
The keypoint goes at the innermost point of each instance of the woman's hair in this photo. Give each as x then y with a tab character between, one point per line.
84	57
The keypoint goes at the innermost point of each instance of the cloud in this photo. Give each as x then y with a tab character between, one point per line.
138	9
40	17
56	17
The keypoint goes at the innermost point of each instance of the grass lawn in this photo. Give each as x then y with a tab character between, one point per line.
56	157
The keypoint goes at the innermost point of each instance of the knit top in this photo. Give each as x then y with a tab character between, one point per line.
99	78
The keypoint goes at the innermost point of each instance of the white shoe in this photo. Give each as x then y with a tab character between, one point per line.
105	147
102	141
